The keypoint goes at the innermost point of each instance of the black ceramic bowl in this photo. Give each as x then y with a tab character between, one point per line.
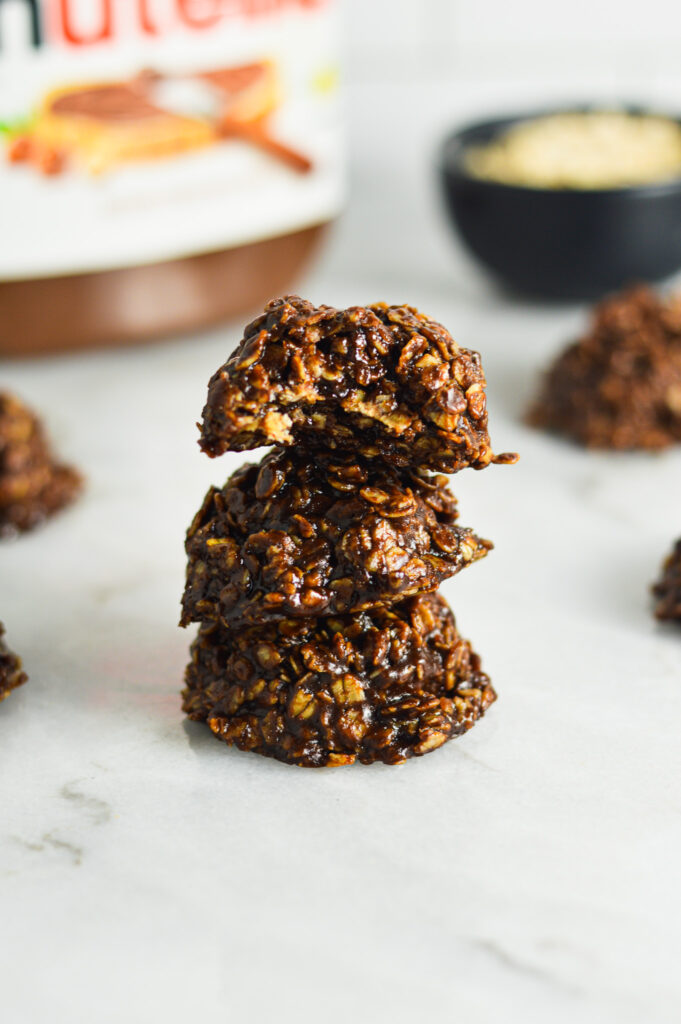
560	243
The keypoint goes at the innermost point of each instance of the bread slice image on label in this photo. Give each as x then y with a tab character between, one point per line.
97	126
190	154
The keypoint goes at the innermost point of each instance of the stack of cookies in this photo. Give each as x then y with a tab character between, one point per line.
313	572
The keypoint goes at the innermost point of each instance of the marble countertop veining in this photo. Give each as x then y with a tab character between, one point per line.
528	871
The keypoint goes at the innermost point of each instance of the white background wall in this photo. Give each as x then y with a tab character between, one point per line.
416	69
616	40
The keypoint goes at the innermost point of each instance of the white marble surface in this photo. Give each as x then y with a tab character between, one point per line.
529	871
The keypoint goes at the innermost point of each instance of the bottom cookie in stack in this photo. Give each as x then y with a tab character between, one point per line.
11	674
380	685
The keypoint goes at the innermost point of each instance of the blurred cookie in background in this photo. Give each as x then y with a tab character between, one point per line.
11	674
667	590
33	485
619	386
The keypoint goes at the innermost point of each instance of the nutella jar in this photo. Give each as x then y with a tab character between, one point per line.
164	164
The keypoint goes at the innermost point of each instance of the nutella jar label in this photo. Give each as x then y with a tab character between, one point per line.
140	131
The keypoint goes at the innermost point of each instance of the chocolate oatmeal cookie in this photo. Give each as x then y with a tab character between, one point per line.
377	381
11	674
32	485
295	536
619	386
382	685
667	590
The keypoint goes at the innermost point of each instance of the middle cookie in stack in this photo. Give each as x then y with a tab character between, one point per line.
294	535
311	573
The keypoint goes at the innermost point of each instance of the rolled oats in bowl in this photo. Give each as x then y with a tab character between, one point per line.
582	150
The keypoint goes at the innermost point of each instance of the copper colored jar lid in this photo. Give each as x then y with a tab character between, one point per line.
136	304
161	171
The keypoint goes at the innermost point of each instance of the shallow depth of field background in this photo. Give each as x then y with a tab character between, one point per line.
527	872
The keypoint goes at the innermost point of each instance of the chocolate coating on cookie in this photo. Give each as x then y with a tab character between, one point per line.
383	685
619	386
379	381
32	485
296	536
11	674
